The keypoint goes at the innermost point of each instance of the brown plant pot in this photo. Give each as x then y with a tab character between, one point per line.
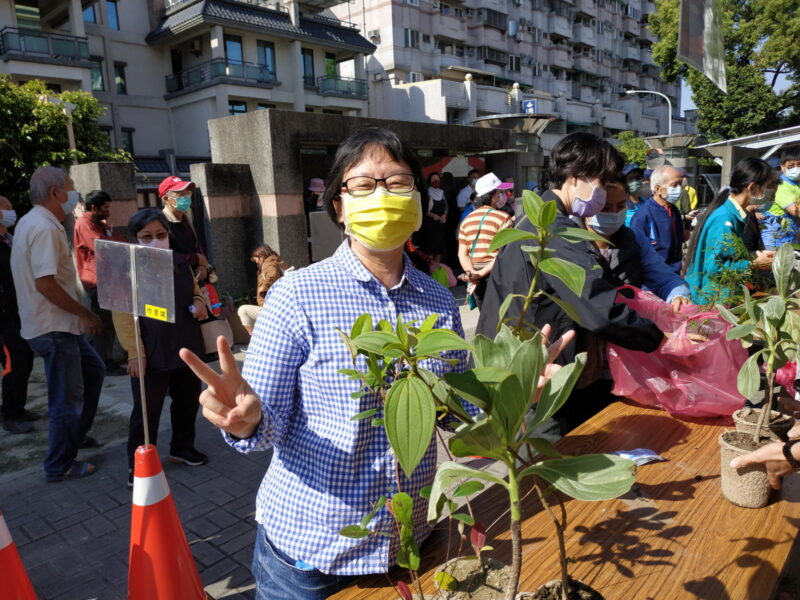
552	591
779	423
747	487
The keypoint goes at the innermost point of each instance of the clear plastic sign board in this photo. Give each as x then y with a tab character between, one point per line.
130	275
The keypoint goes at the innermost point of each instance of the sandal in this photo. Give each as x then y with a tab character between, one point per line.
76	470
90	442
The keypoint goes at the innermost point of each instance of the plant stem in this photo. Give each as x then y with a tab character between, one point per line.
766	406
516	529
562	548
532	290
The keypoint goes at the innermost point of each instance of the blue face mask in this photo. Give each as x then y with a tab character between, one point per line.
606	223
673	194
71	203
183	203
793	173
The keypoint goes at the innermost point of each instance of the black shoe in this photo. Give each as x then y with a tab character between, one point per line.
18	426
28	415
188	456
90	442
130	479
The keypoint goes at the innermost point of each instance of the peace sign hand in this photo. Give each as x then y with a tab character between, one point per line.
229	402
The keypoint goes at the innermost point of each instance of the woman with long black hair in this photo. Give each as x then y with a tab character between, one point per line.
717	244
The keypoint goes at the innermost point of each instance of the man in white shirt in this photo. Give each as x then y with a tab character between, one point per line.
52	319
466	192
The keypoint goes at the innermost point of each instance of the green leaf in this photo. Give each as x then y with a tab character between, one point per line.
402	332
782	267
532	204
428	323
509	236
470	387
485	437
489	353
548	214
727	315
588	477
740	331
557	390
445	581
377	422
362	324
465	518
409	419
447	474
577	234
351	374
566	307
509	404
543	446
527	363
364	414
375	341
749	380
425	492
774	309
355	532
467	489
403	508
436	341
501	313
570	274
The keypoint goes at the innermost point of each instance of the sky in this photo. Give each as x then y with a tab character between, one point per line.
686	93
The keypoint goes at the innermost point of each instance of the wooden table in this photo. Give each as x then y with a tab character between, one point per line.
673	537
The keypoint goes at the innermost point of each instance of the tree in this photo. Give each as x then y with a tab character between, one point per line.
760	38
34	133
633	148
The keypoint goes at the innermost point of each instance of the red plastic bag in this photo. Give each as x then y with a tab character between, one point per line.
686	376
786	375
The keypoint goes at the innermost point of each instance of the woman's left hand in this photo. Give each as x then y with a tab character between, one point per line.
200	313
679	301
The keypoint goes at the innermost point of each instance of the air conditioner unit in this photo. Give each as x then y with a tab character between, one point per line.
374	34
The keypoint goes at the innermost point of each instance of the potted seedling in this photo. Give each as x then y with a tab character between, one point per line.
505	385
770	326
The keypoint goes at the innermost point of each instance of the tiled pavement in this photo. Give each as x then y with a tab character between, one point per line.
73	536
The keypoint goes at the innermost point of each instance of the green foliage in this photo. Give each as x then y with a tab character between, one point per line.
633	148
33	134
760	44
589	477
727	284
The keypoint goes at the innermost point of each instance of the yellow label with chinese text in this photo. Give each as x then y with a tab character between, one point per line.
155	312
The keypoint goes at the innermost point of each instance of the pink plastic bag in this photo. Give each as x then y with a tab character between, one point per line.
685	377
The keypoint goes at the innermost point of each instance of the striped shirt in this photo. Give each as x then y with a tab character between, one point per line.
496	220
326	469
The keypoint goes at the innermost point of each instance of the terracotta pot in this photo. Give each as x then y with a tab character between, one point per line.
747	487
779	423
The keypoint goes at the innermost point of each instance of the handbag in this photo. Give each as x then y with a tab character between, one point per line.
472	300
212	328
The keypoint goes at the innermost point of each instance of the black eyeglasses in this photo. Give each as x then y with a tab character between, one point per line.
401	183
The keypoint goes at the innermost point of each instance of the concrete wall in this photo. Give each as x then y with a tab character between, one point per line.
117	180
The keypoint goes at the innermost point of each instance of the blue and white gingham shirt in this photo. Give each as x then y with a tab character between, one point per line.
327	470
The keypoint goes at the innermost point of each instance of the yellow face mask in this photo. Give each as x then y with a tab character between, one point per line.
383	220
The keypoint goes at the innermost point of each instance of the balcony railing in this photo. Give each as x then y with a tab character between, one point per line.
220	70
309	81
39	46
331	21
173	6
342	86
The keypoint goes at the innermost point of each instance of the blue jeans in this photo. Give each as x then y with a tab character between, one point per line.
278	579
74	374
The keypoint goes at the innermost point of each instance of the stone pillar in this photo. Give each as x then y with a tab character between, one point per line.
230	200
75	12
360	67
471	90
293	6
217	42
117	180
297	69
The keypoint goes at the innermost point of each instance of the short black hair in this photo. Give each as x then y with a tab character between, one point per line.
583	154
471	171
147	215
353	149
790	153
485	199
636	171
431	174
95	199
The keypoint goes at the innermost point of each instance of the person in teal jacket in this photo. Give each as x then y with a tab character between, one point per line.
717	241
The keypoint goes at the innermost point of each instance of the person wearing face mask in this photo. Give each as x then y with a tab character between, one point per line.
164	372
477	230
580	166
634	177
782	218
53	320
16	419
176	195
292	398
713	246
660	220
463	198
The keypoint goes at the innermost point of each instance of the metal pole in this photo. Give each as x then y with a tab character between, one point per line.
70	133
135	299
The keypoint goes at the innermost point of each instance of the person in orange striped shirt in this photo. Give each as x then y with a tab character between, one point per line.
477	230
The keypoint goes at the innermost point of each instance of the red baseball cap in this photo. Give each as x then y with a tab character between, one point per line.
173	184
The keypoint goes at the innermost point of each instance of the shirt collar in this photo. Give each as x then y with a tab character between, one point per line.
47	214
345	256
789	181
171	216
741	212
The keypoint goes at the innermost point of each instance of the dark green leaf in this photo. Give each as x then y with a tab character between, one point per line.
409	419
437	341
375	341
364	414
354	531
501	313
576	234
566	307
467	489
485	437
557	390
543	446
509	236
489	353
528	362
464	517
570	274
588	477
548	214
425	492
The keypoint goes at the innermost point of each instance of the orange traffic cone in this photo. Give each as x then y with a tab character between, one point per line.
16	585
161	566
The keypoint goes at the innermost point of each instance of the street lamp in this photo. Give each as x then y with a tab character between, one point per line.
665	97
67	107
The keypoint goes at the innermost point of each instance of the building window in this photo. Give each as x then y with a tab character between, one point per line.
413	2
308	67
330	65
119	78
444	9
493	18
107	130
97	75
513	63
459	12
414	77
411	38
266	57
113	15
127	139
330	111
28	16
90	15
426	39
237	107
233	49
263	106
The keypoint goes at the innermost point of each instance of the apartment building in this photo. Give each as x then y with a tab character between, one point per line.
572	58
163	68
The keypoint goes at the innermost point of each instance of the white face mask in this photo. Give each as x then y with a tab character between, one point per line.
793	173
674	194
606	223
156	243
8	218
72	201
